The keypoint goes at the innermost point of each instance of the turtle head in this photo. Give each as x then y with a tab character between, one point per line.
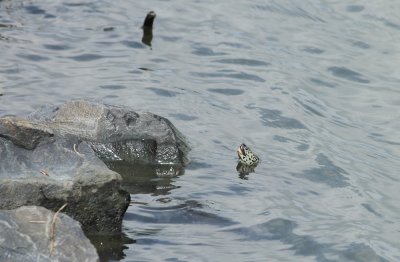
246	156
242	151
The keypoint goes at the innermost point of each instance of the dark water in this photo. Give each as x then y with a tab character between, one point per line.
311	86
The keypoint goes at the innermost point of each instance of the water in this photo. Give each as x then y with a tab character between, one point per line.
311	86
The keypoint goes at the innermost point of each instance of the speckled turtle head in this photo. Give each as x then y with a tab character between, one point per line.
246	156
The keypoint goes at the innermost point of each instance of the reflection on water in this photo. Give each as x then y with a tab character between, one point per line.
174	211
327	173
304	245
142	178
274	118
244	170
111	248
139	178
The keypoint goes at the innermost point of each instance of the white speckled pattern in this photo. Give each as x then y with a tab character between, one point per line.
246	156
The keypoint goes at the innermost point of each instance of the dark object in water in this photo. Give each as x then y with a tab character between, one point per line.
106	29
148	28
145	69
148	21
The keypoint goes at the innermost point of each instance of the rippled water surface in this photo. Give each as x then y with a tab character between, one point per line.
311	86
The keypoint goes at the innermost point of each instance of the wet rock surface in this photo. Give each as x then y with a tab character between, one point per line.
117	133
33	233
52	174
57	156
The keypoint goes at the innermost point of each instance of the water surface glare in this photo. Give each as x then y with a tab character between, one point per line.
311	86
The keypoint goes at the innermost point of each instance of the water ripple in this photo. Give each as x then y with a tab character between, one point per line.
163	92
290	10
327	173
240	76
86	57
362	45
313	50
300	146
226	91
112	87
133	44
304	245
206	51
33	57
311	107
355	8
347	74
322	82
242	61
32	9
57	47
184	117
274	118
187	212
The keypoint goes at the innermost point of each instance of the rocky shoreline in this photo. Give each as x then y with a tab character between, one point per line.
72	154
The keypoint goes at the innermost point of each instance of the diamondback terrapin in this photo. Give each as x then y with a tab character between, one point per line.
246	156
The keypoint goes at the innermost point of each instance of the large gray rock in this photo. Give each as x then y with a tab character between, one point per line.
57	156
33	233
117	133
46	171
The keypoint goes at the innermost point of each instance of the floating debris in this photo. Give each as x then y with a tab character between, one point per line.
148	28
107	29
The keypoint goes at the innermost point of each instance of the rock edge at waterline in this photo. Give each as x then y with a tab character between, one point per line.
57	156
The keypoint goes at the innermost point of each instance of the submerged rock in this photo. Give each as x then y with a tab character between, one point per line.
33	233
57	156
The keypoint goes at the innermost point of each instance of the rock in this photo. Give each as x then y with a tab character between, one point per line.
26	234
52	174
57	156
117	133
